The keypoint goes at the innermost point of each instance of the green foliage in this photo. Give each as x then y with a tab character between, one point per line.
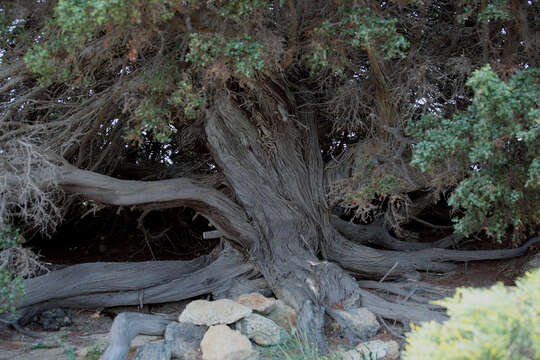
153	115
373	187
187	98
497	142
496	323
78	19
493	10
154	119
240	54
238	9
94	353
357	28
11	285
295	349
12	31
165	90
75	22
69	351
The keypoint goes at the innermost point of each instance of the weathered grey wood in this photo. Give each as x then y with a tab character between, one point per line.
204	280
371	263
404	313
216	234
126	326
82	279
224	214
279	183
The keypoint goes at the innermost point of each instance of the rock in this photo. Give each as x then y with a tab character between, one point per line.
393	350
284	316
153	351
239	287
360	322
184	340
531	264
261	330
203	312
257	302
370	350
54	319
350	355
222	343
375	349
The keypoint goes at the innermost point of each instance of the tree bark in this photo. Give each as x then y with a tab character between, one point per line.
116	284
222	212
128	325
278	181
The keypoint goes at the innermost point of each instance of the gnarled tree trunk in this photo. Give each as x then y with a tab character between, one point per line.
278	182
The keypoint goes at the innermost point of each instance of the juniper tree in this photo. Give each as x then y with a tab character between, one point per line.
263	116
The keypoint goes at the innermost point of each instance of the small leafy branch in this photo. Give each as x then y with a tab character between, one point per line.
11	284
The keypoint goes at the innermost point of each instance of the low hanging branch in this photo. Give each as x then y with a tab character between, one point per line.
226	216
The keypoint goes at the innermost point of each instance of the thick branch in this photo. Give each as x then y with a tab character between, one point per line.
83	279
224	214
185	280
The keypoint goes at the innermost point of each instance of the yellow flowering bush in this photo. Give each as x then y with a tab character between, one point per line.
496	323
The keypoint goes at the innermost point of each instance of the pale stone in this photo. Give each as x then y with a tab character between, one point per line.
257	302
393	350
359	321
350	355
222	343
374	349
284	316
203	312
370	350
261	330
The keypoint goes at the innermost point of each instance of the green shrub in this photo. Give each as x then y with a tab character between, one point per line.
496	323
11	284
494	144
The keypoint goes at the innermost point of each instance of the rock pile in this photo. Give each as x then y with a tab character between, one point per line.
237	329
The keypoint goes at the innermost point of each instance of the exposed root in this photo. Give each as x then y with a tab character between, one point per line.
126	326
377	234
371	263
410	291
403	313
116	284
